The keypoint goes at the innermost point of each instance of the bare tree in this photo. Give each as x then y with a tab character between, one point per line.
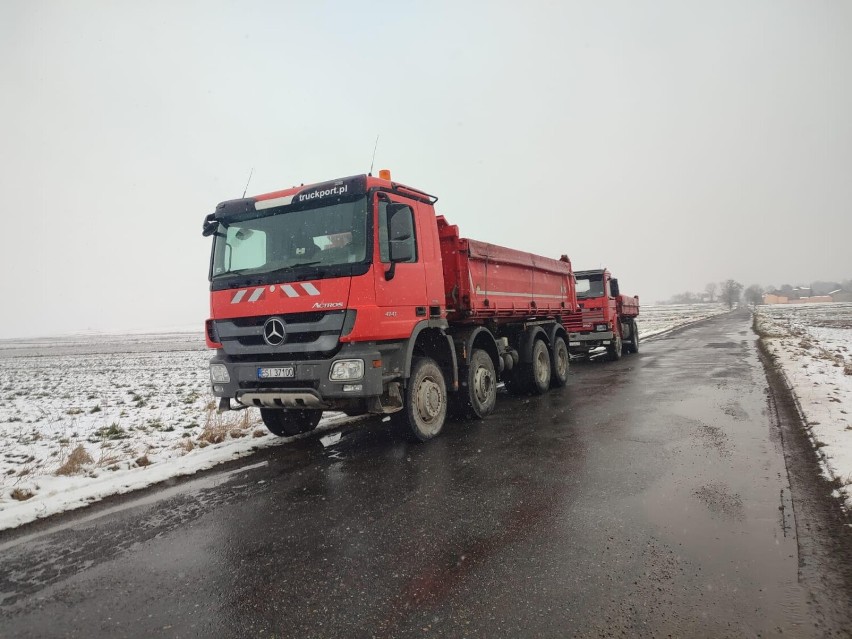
711	289
754	294
729	292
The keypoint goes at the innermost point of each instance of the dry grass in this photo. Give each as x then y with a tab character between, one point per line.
22	494
73	465
143	461
218	426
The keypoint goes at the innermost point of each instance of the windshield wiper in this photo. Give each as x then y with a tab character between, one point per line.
239	271
277	269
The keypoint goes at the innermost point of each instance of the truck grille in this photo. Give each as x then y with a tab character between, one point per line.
586	318
308	335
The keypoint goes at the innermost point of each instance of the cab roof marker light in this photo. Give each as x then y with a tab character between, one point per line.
276	201
384	174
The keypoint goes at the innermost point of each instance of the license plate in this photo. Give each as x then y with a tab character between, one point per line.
276	373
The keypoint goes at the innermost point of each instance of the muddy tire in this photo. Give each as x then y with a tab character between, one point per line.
288	423
633	344
425	399
614	349
559	362
537	373
480	396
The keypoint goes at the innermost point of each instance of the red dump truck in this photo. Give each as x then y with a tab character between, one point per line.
607	319
353	295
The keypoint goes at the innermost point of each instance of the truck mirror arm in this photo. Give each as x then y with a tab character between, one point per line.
211	225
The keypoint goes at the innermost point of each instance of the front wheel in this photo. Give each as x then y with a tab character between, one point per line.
288	423
559	360
614	348
426	399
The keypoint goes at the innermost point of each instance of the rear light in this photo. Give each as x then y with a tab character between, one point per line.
212	334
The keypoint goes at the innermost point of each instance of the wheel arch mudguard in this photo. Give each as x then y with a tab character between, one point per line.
557	330
430	337
527	341
478	337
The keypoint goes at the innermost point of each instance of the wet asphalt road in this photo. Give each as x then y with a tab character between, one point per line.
648	498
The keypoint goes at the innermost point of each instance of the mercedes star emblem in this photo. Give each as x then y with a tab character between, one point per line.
273	331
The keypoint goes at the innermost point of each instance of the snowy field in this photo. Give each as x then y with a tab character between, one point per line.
812	344
86	416
655	320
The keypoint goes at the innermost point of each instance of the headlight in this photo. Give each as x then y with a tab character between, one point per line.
346	369
219	374
601	327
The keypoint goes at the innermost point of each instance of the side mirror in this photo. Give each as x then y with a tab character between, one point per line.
613	287
210	225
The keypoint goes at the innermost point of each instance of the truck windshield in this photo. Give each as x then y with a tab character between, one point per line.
591	286
324	236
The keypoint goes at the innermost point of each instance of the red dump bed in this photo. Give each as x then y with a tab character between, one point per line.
628	306
484	281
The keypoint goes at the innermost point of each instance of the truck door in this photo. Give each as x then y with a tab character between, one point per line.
400	272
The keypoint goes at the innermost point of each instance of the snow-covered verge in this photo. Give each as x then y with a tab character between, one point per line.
655	320
811	343
87	416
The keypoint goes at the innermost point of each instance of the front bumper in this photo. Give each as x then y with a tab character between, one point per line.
310	386
590	336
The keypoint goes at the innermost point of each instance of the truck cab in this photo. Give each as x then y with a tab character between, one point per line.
316	294
607	319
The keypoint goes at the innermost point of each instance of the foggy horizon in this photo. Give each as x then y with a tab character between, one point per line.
676	144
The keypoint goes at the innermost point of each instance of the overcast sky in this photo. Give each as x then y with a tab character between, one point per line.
677	143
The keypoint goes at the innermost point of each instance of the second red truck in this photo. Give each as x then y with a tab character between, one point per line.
607	319
354	295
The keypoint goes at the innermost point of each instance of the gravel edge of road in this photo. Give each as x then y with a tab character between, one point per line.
823	526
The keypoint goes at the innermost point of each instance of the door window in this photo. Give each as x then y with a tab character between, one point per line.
396	228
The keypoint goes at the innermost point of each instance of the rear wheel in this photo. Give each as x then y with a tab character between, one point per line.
426	399
537	373
481	395
633	346
287	423
559	360
614	348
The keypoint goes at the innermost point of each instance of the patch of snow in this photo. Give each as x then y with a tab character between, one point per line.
811	343
657	320
136	408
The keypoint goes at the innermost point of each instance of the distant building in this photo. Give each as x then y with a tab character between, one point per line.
837	296
798	293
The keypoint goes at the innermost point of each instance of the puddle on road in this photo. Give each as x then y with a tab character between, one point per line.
719	499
